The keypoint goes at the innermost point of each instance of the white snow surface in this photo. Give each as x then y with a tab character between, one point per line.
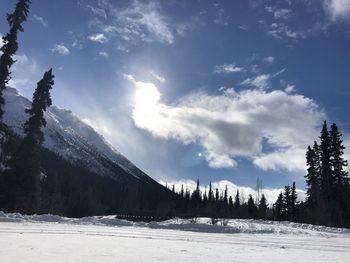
68	136
49	238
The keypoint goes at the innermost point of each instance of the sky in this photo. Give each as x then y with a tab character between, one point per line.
222	91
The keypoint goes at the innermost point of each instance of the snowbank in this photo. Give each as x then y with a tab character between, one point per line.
202	225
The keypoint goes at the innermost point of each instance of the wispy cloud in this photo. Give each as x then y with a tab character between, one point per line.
269	59
60	49
100	12
40	20
158	77
227	68
260	81
233	124
103	54
136	22
337	9
100	38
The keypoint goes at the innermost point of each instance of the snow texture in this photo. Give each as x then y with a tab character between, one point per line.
49	238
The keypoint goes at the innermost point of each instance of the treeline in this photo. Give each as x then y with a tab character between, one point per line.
218	204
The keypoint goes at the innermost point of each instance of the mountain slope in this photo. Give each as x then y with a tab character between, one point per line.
71	138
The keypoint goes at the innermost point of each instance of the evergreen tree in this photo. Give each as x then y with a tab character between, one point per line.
25	164
278	208
340	179
10	46
182	193
339	175
262	207
293	201
287	202
210	194
325	157
237	203
251	207
313	177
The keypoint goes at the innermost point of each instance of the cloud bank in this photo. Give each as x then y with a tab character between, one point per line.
270	128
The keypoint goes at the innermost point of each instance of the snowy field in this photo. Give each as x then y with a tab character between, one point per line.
106	239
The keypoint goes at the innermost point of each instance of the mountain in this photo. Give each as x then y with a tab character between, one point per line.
69	137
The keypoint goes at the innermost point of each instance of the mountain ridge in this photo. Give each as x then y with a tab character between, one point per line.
71	138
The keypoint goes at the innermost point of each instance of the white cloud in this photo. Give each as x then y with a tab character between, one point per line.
158	77
97	11
290	89
40	20
103	54
100	38
25	73
337	9
282	13
139	21
260	81
281	31
60	49
227	68
233	124
270	194
269	59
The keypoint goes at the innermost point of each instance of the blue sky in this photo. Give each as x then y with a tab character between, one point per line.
215	90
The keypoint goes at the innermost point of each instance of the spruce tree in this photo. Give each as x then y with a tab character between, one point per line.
313	177
237	203
278	208
339	175
287	202
262	207
251	207
210	194
10	46
340	179
25	164
293	200
325	158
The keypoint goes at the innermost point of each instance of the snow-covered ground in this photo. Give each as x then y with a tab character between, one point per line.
48	238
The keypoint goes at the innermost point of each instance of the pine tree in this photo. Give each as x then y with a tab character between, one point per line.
25	164
262	207
251	207
339	175
278	208
340	179
210	194
237	203
287	202
313	176
325	157
293	201
10	46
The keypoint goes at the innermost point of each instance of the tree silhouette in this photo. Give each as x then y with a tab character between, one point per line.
10	46
25	164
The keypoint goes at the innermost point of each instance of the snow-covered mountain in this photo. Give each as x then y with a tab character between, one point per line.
71	138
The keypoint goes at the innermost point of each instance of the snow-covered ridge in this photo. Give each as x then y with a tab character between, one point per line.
68	136
233	226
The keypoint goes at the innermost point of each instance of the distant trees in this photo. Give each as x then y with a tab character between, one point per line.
10	46
286	204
